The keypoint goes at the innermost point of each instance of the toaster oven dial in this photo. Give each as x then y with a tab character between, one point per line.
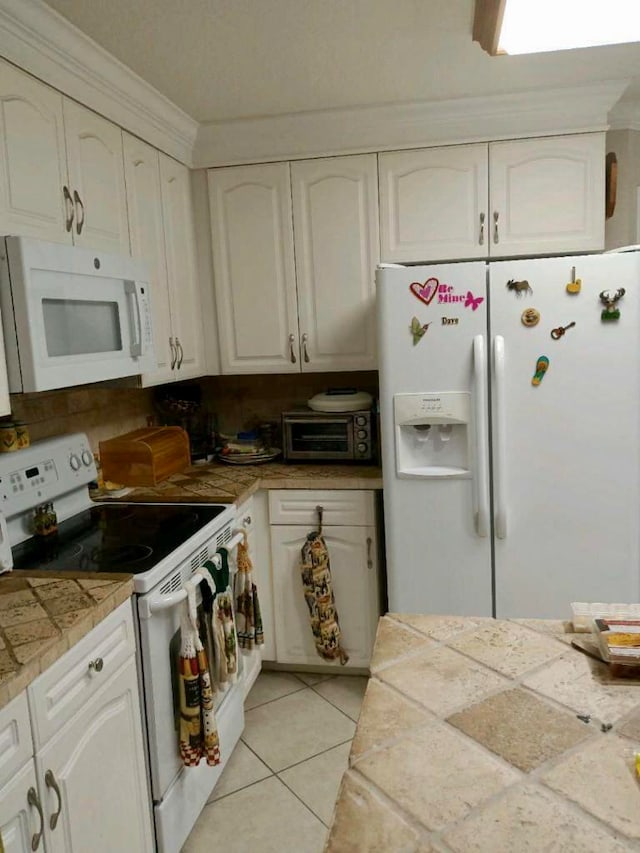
362	447
360	421
362	433
74	461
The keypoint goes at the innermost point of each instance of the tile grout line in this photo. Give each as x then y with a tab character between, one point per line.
269	701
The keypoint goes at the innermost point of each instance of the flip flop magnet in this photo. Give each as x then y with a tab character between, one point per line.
542	365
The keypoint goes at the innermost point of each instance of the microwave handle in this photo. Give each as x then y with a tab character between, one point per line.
132	289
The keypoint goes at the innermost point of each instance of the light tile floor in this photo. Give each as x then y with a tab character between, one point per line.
279	788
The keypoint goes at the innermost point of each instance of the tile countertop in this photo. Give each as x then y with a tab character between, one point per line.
216	482
469	739
43	614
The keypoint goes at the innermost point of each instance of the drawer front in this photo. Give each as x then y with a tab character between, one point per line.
57	694
16	746
346	507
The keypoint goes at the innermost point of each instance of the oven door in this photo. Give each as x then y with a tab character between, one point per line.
319	438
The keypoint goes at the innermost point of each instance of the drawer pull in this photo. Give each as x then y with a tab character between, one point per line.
96	665
369	560
246	520
32	799
50	782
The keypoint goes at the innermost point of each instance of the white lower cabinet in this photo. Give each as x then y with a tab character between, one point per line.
72	767
353	554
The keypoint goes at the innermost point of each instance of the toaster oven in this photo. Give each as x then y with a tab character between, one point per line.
332	437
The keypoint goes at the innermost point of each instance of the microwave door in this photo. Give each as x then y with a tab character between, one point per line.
317	438
82	329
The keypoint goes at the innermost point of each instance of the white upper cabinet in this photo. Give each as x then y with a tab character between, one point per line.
547	195
254	269
33	162
144	204
335	216
433	203
96	179
524	197
280	312
180	246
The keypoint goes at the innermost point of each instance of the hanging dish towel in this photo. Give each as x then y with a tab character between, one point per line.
318	593
198	730
223	621
248	616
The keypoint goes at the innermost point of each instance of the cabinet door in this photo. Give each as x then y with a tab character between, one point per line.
335	218
97	762
253	515
254	269
144	205
433	204
352	552
547	195
96	179
179	237
19	820
33	160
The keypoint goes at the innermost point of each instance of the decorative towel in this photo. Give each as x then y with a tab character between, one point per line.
248	615
318	593
223	621
198	730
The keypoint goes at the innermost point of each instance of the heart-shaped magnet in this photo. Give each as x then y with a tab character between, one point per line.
425	292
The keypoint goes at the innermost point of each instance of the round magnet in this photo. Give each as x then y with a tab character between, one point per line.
530	317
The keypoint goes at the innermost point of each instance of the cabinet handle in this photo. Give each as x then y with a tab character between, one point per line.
96	665
246	521
481	235
50	782
292	354
174	353
78	203
68	203
369	560
496	236
305	338
32	799
181	354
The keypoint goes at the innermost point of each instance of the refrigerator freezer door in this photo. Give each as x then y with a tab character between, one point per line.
565	450
438	551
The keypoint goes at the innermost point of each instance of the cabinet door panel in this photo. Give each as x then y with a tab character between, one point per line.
98	763
179	235
19	821
548	195
96	173
33	160
335	214
432	203
144	205
254	268
355	588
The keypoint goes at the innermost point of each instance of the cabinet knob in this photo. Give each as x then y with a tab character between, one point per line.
246	520
96	665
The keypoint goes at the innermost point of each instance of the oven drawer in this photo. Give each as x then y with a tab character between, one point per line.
56	695
15	737
348	507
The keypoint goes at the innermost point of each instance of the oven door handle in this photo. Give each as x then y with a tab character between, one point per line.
146	607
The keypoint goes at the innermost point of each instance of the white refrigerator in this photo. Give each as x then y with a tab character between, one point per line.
511	485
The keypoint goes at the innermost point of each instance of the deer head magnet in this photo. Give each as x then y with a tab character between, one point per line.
611	310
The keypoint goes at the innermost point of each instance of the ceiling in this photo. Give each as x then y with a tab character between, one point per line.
226	59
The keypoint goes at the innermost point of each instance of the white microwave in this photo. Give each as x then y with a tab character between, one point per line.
71	315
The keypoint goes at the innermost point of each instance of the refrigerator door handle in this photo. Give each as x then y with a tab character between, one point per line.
480	416
500	435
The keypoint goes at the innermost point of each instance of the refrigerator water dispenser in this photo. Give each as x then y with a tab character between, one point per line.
432	434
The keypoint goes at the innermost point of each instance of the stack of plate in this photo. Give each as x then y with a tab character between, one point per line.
266	455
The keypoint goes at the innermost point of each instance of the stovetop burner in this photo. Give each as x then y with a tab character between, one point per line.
130	538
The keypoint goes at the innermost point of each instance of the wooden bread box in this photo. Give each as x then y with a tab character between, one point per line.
145	457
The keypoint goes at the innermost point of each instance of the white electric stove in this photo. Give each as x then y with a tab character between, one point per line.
161	545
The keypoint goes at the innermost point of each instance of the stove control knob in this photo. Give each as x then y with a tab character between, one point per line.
74	461
87	458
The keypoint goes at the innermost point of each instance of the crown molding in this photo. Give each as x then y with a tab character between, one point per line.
625	115
295	136
37	39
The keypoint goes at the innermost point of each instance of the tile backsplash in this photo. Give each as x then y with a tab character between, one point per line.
102	412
